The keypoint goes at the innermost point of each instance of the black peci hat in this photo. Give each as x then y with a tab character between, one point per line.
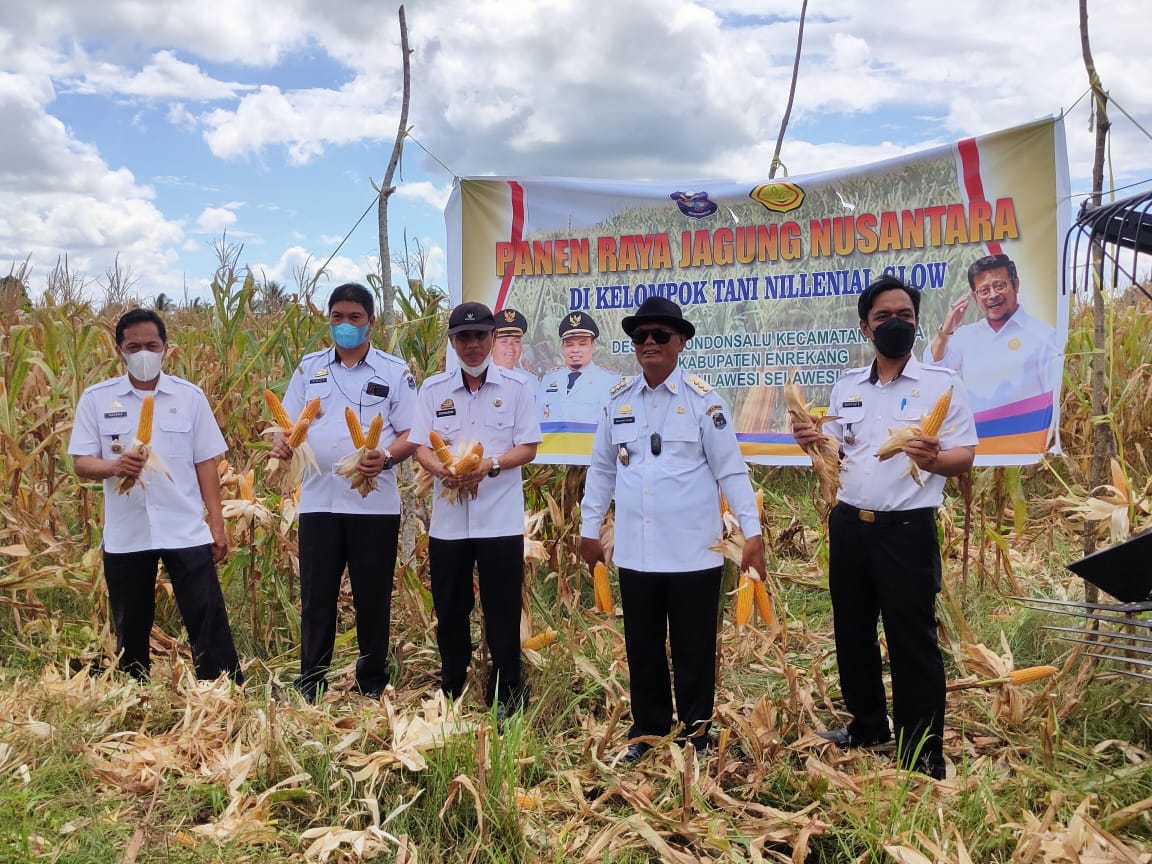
659	310
578	324
510	322
470	316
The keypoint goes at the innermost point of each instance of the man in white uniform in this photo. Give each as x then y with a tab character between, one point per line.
574	392
485	528
338	526
508	345
665	449
1006	357
883	553
160	518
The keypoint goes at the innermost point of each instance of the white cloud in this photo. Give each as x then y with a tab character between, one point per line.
425	192
214	220
165	77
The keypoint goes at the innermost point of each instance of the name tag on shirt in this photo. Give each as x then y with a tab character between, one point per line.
114	414
446	412
616	420
855	403
321	380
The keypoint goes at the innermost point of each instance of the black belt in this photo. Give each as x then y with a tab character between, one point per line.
888	517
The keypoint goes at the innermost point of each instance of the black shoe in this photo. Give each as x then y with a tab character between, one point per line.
844	739
635	752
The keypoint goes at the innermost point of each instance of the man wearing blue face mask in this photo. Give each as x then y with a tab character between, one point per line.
884	558
339	527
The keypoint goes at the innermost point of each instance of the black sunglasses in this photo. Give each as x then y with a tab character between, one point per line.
660	337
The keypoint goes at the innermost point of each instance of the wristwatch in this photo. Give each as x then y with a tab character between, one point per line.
944	332
389	462
495	470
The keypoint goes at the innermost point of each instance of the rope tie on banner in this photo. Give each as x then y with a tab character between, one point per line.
376	199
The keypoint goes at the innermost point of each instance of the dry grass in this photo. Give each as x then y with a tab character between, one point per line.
97	768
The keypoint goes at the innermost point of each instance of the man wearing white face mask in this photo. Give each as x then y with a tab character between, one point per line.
339	527
485	529
161	518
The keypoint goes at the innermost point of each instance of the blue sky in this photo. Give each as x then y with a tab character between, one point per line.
148	130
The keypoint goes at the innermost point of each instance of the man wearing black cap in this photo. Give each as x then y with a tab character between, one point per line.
484	528
572	393
511	326
665	450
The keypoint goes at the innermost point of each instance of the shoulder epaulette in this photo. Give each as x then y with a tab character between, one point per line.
699	384
620	385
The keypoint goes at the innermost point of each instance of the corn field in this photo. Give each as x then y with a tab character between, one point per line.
1052	766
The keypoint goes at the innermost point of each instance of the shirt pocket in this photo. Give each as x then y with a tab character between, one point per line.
854	415
449	428
321	388
115	431
681	444
623	433
175	438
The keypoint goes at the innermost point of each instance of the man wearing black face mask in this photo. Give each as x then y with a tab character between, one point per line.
884	559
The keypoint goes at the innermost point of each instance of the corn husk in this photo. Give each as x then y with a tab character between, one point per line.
467	456
349	466
825	453
899	436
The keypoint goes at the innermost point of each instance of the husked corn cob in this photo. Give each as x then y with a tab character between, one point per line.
372	439
743	607
763	603
602	590
1016	677
300	430
440	449
1030	673
760	505
541	640
354	428
278	413
144	426
930	424
824	453
469	460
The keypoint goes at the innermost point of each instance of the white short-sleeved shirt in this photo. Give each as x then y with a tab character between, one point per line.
667	505
867	410
500	415
163	513
378	384
1020	360
582	403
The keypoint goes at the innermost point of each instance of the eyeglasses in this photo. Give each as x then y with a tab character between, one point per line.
660	337
656	443
999	287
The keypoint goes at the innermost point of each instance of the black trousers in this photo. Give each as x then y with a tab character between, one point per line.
889	569
366	545
131	580
499	562
679	608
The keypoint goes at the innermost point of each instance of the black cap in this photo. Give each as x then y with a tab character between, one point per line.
470	316
659	310
578	324
509	322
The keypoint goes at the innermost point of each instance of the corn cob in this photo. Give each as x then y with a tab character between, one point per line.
760	506
278	413
300	430
246	485
931	423
541	640
440	449
144	425
743	607
763	603
372	439
354	428
468	462
1016	677
142	444
601	590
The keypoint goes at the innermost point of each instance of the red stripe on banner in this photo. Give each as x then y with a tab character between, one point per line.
973	184
517	235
